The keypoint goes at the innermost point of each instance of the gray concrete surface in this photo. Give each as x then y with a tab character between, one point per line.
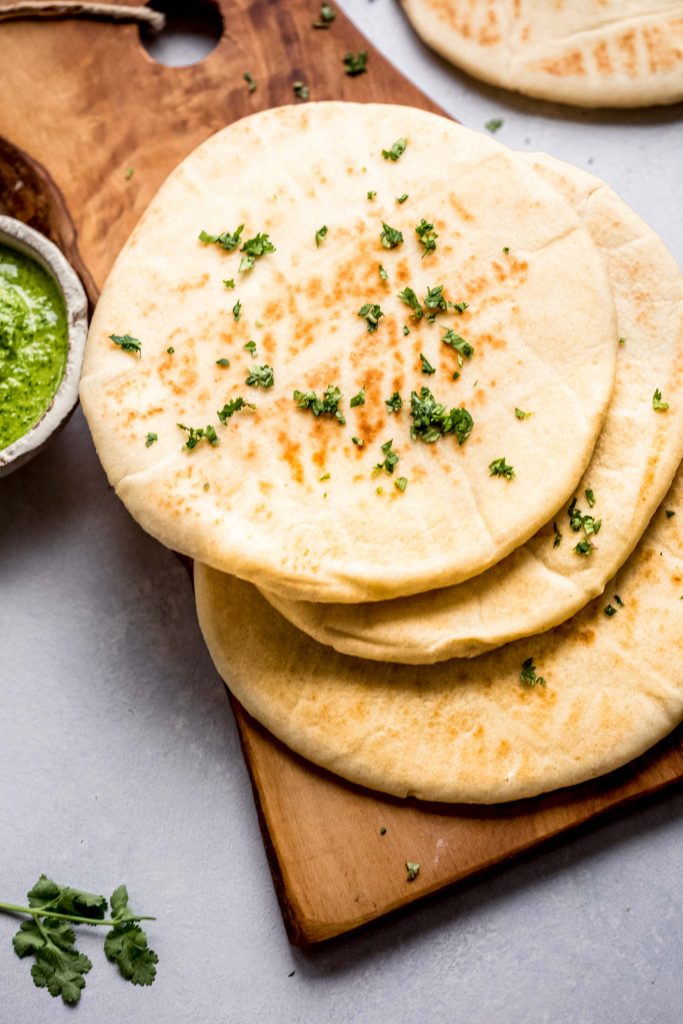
119	759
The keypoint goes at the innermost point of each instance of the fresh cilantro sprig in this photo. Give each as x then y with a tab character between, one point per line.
49	938
228	240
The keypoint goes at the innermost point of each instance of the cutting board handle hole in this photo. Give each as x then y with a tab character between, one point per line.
192	31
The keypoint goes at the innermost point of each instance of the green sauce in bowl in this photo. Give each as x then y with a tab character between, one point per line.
33	342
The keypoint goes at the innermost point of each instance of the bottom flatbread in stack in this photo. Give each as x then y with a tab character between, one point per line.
471	730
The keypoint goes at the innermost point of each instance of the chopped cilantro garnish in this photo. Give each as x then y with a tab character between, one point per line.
610	610
325	476
402	199
253	249
301	90
406	330
528	676
237	310
130	171
328	405
382	273
250	81
127	343
372	195
401	484
578	521
506	249
170	350
557	535
499	467
229	283
197	434
427	236
383	830
590	497
326	17
462	347
231	407
358	399
657	404
227	240
622	341
223	362
591	525
396	150
494	124
355	64
584	547
455	376
410	298
412	871
320	234
670	513
250	347
460	307
358	441
261	377
521	414
425	365
395	403
371	313
150	439
431	420
435	302
391	237
391	457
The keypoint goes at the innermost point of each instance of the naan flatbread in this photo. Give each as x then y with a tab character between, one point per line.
539	584
591	53
469	730
286	499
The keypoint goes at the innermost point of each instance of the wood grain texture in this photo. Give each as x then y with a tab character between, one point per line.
80	103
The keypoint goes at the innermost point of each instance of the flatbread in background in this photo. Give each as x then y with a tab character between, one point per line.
285	498
590	53
469	730
545	581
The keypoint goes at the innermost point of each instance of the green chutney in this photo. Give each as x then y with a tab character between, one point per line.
33	342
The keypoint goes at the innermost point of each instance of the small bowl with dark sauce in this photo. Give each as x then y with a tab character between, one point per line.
43	327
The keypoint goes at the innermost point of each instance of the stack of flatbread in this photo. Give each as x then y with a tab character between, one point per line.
412	403
590	53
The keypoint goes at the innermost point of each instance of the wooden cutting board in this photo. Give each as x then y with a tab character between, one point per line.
81	103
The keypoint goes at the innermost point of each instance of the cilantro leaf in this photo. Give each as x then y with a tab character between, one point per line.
435	302
401	484
231	407
228	240
409	297
237	310
319	235
197	434
499	467
460	307
557	535
427	236
391	237
328	405
382	273
584	547
261	377
391	457
253	249
355	64
129	344
248	78
250	347
521	414
412	871
150	439
590	497
223	362
431	420
395	403
494	124
326	17
301	90
396	150
456	342
358	399
657	404
401	199
425	365
528	676
126	943
372	314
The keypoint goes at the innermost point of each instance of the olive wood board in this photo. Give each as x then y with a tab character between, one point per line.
82	106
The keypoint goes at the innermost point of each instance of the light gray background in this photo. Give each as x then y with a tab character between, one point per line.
119	759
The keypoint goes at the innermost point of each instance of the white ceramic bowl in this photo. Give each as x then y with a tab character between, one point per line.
16	235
